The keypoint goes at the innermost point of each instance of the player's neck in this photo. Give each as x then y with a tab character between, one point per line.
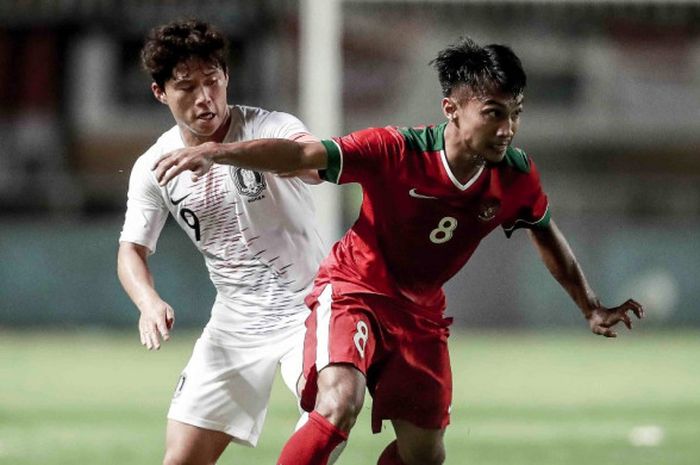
191	139
463	161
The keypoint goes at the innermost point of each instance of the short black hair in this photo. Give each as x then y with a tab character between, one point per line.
493	68
168	45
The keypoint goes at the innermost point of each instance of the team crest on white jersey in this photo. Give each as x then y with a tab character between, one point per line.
249	183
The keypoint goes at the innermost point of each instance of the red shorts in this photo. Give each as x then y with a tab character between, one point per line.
402	354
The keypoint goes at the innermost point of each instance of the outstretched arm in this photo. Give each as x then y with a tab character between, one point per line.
276	155
562	264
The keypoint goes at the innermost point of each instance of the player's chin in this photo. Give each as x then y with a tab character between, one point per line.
495	153
205	128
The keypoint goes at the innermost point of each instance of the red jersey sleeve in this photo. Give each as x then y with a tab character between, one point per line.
362	154
534	212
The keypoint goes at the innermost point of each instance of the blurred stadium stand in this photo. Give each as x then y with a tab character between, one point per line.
611	118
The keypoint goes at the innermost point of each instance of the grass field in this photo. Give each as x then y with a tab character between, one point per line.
520	398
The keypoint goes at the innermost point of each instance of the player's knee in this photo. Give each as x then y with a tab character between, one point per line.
176	457
340	398
423	452
340	408
424	455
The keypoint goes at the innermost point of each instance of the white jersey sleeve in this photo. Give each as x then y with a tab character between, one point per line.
146	211
279	125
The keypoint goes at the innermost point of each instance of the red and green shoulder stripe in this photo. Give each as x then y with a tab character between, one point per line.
423	139
518	160
540	223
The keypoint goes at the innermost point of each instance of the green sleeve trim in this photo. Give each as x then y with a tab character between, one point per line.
335	162
542	223
429	139
517	158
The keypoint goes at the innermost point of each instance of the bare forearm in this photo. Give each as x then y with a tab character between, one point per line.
280	156
157	317
275	155
134	275
562	264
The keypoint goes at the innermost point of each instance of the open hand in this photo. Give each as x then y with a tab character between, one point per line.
602	319
155	324
197	159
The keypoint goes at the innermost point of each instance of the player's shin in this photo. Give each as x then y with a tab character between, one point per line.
335	455
313	443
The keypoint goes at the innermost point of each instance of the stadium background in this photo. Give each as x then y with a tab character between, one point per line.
611	118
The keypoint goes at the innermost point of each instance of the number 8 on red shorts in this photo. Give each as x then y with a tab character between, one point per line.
402	353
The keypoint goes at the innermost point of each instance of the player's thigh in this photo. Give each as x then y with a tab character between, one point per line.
190	445
419	446
414	380
225	372
340	331
225	387
292	359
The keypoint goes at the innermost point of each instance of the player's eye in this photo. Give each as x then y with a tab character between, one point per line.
493	113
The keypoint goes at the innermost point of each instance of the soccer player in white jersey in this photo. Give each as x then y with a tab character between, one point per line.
257	235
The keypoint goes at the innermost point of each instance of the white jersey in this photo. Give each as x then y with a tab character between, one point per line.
255	230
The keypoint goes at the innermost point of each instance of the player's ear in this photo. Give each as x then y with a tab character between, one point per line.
449	108
159	93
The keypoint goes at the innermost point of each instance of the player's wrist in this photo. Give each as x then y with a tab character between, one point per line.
589	304
147	303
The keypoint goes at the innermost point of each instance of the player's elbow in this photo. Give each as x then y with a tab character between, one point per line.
128	254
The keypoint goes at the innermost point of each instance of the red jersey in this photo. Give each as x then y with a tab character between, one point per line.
419	224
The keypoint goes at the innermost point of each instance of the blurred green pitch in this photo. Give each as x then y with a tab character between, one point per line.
520	398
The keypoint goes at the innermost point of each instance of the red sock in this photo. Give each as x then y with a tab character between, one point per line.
390	456
313	443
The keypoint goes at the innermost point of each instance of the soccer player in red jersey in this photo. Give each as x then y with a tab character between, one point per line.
429	196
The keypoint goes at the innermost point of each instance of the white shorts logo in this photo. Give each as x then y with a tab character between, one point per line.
180	384
361	337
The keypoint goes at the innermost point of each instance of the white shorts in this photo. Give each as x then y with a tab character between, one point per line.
226	384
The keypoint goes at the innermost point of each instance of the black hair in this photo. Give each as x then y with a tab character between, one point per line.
493	68
168	45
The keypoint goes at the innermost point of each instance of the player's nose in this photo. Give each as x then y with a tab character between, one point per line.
506	128
203	94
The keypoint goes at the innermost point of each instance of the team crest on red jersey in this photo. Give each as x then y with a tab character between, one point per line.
489	209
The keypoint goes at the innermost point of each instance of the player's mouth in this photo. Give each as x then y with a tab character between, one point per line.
206	116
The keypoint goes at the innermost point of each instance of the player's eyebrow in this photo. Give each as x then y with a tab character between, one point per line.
494	102
186	77
515	103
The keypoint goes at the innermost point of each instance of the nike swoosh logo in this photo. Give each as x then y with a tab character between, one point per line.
175	202
414	193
